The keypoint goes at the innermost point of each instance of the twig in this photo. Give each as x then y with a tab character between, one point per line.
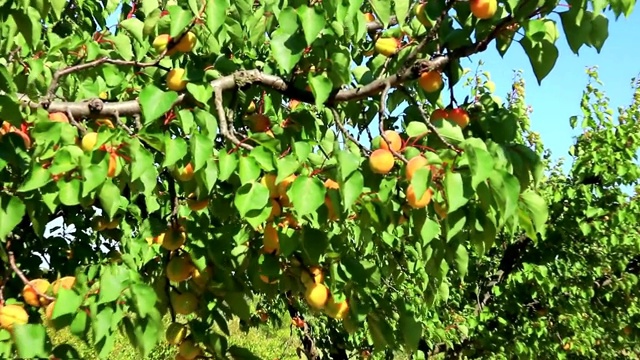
381	116
336	118
136	121
116	117
14	267
222	117
73	122
175	201
427	120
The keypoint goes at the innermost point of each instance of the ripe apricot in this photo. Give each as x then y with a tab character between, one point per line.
189	350
175	333
66	282
201	278
460	117
430	81
317	296
316	272
395	141
186	173
175	79
276	210
30	292
330	209
265	279
483	9
439	114
420	11
11	315
179	268
369	17
337	310
440	209
269	181
387	46
270	240
418	203
381	161
259	123
58	117
173	239
105	122
155	239
196	205
185	303
331	184
160	42
293	103
414	164
48	312
186	43
283	186
113	165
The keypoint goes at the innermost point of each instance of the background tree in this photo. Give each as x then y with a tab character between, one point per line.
206	153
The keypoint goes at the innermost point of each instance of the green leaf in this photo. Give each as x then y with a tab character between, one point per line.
382	9
321	87
420	181
542	55
109	198
380	332
312	20
287	49
122	44
416	128
480	162
144	298
454	190
155	102
307	194
351	189
536	210
340	65
506	190
238	304
12	209
251	196
599	31
201	150
227	164
30	341
70	192
113	281
6	83
180	19
58	6
67	302
29	26
175	149
9	110
249	170
38	177
286	166
348	163
135	28
449	131
462	261
216	13
429	230
411	330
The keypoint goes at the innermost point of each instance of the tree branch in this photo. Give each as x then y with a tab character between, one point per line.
14	267
336	118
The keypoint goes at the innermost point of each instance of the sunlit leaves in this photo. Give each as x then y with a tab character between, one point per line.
155	102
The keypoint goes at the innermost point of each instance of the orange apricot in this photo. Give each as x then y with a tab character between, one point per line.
395	141
381	161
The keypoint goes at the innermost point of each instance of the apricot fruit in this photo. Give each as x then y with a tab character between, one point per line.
112	168
276	210
420	11
105	122
160	42
331	184
293	103
269	181
30	292
173	239
175	79
196	205
11	315
430	81
175	333
189	350
201	278
185	303
186	43
483	9
65	282
179	268
335	310
259	123
440	209
270	240
185	174
89	141
316	272
460	117
59	117
155	239
317	296
381	161
439	114
283	186
48	312
369	17
330	209
265	279
395	141
418	203
414	164
387	46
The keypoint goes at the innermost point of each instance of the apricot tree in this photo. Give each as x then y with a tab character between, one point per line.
201	154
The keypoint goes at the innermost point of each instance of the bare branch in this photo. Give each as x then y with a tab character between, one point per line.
119	122
381	116
73	122
345	132
222	118
14	267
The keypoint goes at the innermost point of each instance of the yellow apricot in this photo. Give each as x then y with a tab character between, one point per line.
381	161
11	315
175	79
418	203
173	239
270	240
89	141
189	350
175	333
187	42
317	296
395	141
30	292
318	276
179	268
337	310
185	303
66	282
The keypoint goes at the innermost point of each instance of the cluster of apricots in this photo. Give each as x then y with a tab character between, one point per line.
188	348
382	161
36	293
175	77
318	295
458	116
